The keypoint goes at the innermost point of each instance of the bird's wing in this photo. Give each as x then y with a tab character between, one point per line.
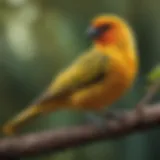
87	70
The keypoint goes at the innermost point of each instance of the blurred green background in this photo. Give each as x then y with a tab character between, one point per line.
40	37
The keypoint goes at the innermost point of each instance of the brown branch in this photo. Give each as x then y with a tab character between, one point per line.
52	141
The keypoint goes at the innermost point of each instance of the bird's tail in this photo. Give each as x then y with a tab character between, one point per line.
13	125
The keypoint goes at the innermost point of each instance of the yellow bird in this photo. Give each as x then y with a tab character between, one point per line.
99	77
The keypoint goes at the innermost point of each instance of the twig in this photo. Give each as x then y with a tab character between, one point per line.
152	90
52	141
140	107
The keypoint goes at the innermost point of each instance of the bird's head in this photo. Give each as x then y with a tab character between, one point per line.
110	29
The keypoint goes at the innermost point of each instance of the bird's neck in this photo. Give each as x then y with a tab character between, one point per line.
125	51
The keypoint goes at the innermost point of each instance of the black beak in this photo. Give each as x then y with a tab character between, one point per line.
96	32
93	33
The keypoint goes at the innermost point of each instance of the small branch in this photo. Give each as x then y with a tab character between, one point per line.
52	141
152	90
140	107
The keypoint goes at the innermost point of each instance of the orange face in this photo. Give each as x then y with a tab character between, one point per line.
106	30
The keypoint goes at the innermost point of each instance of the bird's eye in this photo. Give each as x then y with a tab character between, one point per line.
104	27
96	32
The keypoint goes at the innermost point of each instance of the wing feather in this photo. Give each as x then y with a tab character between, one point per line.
84	72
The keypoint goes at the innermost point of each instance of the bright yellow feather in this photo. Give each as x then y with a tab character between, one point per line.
99	77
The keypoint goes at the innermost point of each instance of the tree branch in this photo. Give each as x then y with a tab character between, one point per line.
51	141
58	140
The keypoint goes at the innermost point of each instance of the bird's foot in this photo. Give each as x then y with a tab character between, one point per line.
140	111
95	119
101	119
116	115
113	114
121	117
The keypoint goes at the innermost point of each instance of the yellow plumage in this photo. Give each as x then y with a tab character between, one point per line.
96	79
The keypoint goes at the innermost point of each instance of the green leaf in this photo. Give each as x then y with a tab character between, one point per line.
154	74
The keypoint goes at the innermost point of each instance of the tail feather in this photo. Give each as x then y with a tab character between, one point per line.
13	125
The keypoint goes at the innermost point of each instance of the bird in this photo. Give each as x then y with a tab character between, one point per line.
99	76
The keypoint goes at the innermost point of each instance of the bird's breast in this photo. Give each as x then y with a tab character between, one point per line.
118	79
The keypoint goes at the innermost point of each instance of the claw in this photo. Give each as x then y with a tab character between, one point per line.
114	115
98	120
